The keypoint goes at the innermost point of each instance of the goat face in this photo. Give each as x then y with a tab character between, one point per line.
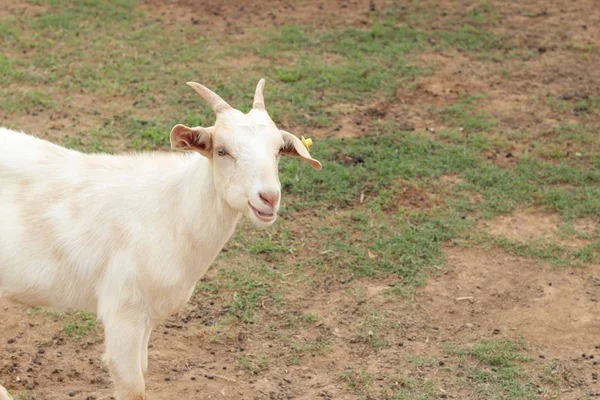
244	152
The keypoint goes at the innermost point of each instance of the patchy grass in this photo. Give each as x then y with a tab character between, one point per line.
128	54
550	251
387	386
26	101
495	369
24	396
582	106
380	238
73	323
463	114
78	324
572	142
372	165
123	72
253	365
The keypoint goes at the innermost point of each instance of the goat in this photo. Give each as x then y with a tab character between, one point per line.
127	237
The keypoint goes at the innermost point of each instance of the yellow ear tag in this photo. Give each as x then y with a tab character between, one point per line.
307	143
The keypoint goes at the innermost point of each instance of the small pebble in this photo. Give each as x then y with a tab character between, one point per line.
595	376
11	340
168	379
193	378
41	351
72	394
542	356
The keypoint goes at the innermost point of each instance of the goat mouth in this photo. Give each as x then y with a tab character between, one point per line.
262	215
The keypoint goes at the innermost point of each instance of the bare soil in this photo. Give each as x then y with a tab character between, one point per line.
537	226
233	17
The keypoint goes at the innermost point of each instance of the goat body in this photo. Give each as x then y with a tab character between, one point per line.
126	237
101	233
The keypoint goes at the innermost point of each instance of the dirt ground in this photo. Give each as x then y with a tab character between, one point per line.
477	294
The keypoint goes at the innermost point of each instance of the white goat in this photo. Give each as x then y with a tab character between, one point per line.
128	237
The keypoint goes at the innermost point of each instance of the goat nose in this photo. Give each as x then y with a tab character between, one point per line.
269	198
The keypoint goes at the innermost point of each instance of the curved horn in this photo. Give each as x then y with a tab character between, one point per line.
216	102
259	99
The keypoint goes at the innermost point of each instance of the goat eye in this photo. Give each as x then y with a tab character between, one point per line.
222	152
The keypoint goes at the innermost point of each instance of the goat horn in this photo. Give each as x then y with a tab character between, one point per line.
259	99
216	102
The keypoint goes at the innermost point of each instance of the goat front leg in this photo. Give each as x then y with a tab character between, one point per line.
145	344
124	339
4	394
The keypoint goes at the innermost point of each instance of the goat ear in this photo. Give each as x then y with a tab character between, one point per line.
195	139
292	146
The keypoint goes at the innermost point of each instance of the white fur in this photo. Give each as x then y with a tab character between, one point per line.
4	394
127	237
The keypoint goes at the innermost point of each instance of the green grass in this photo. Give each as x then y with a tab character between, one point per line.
387	386
573	142
79	324
74	324
26	101
300	349
247	290
252	365
584	107
462	114
359	381
382	164
483	14
407	247
373	328
495	369
372	165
